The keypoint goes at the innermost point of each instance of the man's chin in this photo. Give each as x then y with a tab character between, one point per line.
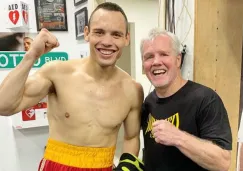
106	63
159	85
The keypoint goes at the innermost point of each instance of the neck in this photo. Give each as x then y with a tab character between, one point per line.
172	88
98	72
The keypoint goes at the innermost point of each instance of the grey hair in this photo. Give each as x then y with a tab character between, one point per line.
153	33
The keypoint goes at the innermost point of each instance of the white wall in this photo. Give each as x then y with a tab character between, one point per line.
184	16
23	149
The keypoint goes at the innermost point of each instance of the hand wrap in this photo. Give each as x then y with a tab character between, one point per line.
129	162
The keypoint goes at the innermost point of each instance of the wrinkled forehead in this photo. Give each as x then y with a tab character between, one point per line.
108	20
158	43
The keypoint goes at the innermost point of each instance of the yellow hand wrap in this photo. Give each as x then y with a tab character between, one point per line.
129	162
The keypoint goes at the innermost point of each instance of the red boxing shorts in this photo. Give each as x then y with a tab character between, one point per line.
60	156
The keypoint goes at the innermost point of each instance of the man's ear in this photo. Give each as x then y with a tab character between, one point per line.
86	33
127	39
179	60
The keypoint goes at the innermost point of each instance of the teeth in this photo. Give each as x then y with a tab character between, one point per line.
161	71
106	52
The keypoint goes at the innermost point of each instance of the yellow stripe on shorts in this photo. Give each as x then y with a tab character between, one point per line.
80	157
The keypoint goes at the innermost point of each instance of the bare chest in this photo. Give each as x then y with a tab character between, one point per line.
104	106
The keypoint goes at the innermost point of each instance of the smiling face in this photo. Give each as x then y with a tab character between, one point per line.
160	62
106	36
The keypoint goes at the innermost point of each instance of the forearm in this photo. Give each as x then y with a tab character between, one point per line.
204	153
12	87
131	145
129	159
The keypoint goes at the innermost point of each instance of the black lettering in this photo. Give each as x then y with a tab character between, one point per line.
13	7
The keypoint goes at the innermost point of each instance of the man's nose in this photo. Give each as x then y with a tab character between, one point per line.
157	60
107	40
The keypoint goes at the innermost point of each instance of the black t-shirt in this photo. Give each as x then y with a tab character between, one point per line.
195	109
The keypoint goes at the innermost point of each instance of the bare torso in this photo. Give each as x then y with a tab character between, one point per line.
83	111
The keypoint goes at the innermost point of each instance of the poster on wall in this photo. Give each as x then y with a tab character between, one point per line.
51	14
81	20
79	2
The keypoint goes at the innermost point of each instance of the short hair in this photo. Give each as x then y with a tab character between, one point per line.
153	33
109	6
28	38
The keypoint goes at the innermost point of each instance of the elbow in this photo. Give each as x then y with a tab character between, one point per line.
225	164
6	113
8	109
131	145
132	140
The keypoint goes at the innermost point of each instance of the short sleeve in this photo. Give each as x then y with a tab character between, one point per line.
213	122
144	114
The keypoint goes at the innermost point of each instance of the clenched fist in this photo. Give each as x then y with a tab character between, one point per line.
43	43
165	133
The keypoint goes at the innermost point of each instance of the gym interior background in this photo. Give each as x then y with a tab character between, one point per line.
211	31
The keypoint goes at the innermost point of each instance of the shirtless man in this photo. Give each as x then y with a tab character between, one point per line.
88	99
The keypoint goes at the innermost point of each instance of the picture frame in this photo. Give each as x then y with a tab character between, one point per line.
51	14
81	20
78	2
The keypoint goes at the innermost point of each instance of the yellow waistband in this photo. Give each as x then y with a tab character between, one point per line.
80	157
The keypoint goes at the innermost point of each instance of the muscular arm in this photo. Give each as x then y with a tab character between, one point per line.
212	149
206	154
21	92
132	123
17	91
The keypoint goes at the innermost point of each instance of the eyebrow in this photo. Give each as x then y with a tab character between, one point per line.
148	54
97	29
160	51
113	32
118	32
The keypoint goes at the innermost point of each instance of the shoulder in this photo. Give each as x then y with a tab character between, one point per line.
151	97
199	90
137	94
133	89
129	83
138	88
205	94
59	67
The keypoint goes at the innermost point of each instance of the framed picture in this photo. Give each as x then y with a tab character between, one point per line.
78	2
51	14
81	20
